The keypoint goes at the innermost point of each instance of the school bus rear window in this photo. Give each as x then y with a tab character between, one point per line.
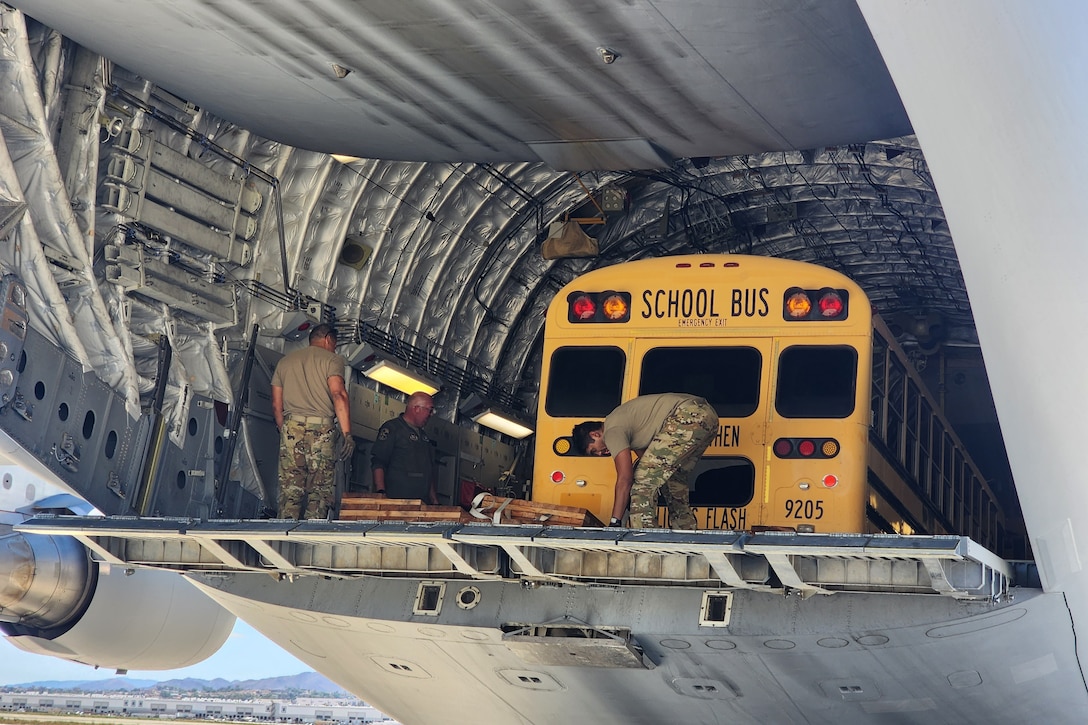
728	377
723	482
585	381
817	381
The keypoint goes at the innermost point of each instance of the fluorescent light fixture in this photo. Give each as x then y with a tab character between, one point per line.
403	379
503	423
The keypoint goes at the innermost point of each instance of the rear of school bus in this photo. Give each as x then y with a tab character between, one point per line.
781	349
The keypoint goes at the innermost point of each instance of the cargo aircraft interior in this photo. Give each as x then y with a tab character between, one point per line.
188	186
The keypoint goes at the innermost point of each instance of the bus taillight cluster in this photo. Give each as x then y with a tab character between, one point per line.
806	448
806	304
599	306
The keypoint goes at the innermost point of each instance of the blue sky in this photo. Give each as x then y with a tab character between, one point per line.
247	654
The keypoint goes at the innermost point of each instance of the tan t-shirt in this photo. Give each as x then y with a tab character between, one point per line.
304	376
634	424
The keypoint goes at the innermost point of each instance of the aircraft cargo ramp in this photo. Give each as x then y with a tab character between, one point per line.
782	562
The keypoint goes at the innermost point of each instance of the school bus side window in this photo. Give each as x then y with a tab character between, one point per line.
817	381
585	382
727	377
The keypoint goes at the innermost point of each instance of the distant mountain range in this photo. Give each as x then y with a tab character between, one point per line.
306	681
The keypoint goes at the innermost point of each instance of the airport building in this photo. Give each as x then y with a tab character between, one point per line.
298	712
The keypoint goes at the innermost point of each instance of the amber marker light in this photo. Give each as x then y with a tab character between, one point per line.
615	307
798	304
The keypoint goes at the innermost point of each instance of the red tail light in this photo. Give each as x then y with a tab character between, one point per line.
831	304
583	308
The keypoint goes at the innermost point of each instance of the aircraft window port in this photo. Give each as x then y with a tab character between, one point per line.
429	598
716	608
468	597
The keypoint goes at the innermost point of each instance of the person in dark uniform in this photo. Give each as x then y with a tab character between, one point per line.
402	458
310	405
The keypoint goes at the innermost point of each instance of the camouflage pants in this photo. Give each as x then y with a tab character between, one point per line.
307	470
668	461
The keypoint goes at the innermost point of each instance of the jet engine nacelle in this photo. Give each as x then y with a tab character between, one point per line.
56	600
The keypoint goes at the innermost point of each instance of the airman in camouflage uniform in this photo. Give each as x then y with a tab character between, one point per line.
307	459
668	432
310	403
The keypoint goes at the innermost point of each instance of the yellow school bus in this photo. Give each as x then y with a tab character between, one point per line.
784	351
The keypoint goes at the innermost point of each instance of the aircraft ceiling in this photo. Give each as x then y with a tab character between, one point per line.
509	80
